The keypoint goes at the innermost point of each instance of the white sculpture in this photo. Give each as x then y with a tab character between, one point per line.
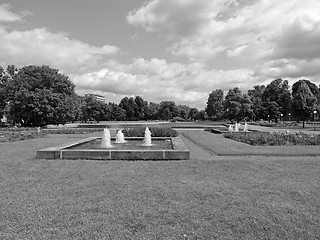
147	138
230	129
106	139
120	137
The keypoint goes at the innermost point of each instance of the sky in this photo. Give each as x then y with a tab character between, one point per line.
178	50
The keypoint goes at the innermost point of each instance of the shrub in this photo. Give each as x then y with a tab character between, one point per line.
155	132
24	133
274	139
73	130
19	135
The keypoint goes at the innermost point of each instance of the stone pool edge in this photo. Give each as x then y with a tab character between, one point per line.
179	152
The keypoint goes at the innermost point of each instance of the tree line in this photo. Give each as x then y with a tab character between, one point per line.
40	95
272	102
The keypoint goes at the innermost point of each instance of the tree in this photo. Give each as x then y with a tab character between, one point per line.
258	108
168	110
140	106
183	111
151	111
304	101
214	107
130	106
277	93
5	77
232	104
246	111
40	95
92	109
193	114
203	115
238	105
118	113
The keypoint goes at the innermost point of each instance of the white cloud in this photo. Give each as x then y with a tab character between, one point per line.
290	68
268	39
40	46
262	31
7	16
156	80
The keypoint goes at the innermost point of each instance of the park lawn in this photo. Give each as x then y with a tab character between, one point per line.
222	197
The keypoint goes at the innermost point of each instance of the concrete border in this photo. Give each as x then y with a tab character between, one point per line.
179	152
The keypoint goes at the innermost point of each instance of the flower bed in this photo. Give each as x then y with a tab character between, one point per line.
274	139
19	134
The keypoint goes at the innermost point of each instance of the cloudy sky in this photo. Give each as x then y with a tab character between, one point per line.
176	50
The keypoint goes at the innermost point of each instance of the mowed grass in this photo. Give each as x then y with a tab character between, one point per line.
218	198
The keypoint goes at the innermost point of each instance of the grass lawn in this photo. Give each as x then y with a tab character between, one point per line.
233	197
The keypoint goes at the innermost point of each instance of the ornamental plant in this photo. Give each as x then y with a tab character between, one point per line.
20	134
274	139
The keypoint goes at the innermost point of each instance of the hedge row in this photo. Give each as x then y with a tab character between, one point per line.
155	132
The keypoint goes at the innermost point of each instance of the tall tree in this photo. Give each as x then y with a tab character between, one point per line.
92	109
130	106
193	114
304	100
278	94
257	104
168	110
40	95
118	113
139	113
151	111
6	76
183	111
232	104
214	107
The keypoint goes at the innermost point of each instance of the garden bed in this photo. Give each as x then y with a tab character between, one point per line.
19	134
219	145
274	139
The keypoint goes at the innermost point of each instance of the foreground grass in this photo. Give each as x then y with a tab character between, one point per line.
222	198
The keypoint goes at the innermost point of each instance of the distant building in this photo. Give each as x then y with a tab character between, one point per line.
97	97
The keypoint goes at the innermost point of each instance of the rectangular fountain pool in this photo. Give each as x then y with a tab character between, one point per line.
133	144
171	148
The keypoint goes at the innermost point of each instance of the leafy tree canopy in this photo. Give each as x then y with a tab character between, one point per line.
40	95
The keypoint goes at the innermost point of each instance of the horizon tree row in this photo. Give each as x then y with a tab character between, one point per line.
135	108
272	102
40	95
